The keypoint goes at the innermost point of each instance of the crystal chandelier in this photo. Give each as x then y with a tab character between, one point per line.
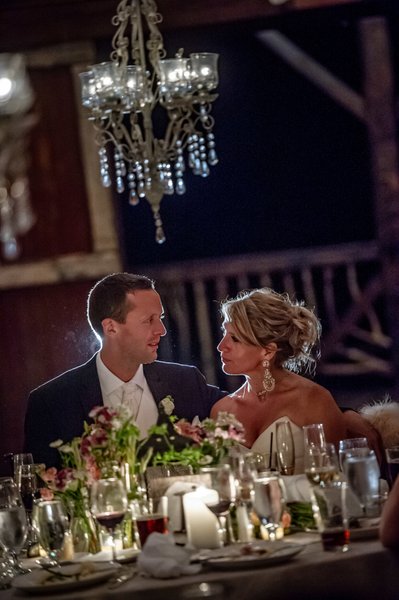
16	98
126	101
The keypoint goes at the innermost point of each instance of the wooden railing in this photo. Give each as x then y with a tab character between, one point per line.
343	283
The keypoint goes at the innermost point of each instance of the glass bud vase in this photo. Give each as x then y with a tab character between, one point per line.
84	531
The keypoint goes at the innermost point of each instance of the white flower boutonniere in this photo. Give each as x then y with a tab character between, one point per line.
167	405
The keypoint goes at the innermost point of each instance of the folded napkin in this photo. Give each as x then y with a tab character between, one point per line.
297	488
161	558
174	495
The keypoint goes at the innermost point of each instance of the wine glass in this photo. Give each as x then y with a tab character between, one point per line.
13	524
109	505
285	448
321	464
269	503
221	479
348	444
24	458
51	523
363	473
314	436
27	480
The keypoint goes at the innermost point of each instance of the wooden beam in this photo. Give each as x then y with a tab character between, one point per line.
380	114
30	23
314	72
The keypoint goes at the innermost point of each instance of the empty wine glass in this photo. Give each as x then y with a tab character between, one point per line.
313	435
221	479
24	458
285	448
27	480
269	503
348	444
363	474
109	505
51	523
13	524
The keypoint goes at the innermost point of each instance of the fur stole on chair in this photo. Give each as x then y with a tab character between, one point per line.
384	416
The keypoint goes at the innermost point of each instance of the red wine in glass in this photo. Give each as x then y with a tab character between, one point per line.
147	524
110	520
219	508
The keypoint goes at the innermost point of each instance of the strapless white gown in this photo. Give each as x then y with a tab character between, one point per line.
262	444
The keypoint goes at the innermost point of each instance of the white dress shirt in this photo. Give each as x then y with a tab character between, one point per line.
135	394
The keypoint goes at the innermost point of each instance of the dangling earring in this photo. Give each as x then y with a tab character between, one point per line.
268	382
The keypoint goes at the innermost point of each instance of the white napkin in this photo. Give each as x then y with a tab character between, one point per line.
175	503
297	488
161	558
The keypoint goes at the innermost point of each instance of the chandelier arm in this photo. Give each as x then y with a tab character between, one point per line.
120	42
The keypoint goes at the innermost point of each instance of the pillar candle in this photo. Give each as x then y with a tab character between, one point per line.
202	526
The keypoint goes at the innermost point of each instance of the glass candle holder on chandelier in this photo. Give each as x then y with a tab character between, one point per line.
121	98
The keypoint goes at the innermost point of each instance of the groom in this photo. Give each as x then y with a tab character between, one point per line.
126	314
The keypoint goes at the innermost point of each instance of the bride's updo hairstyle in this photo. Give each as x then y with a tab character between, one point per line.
263	316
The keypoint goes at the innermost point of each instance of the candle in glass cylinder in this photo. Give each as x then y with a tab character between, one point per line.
201	524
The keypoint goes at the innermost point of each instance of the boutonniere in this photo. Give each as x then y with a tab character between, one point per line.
167	405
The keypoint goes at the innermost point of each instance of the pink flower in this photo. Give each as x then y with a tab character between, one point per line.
186	429
49	475
46	494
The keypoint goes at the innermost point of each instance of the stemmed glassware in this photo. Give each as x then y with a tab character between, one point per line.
321	464
51	523
269	503
363	474
109	505
25	458
27	480
13	524
221	479
285	448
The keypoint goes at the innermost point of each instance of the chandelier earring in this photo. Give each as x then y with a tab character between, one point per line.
268	382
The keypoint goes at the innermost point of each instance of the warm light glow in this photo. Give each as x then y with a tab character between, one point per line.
5	89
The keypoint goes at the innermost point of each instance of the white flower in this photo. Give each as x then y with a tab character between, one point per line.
167	405
56	444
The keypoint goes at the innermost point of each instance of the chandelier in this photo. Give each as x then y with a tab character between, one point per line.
140	91
16	98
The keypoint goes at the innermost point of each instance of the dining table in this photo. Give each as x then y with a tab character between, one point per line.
366	571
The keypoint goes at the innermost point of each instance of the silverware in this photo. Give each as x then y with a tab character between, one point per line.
121	578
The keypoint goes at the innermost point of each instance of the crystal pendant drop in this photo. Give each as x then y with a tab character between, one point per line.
180	187
204	169
133	198
11	249
212	157
120	186
106	180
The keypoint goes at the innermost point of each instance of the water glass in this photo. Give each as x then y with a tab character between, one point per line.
285	448
13	523
329	505
392	456
269	503
348	444
363	474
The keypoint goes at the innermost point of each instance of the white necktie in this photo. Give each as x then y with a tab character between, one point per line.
131	398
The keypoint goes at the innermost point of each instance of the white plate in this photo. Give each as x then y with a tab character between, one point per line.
363	533
263	555
123	556
30	582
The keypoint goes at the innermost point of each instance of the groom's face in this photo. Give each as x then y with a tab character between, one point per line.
140	335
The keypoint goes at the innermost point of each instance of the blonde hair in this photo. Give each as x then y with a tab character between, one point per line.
263	316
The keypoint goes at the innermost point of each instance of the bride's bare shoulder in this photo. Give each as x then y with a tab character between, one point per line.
226	404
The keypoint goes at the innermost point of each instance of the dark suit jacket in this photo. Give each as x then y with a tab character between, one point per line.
57	409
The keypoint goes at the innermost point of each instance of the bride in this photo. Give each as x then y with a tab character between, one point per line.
270	339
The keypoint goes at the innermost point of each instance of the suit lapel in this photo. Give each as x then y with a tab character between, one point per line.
158	388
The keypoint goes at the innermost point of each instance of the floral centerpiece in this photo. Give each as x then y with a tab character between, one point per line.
208	441
110	446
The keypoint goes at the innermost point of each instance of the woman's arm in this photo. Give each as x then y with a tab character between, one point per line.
389	524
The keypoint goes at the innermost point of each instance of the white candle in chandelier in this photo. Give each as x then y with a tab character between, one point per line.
201	524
